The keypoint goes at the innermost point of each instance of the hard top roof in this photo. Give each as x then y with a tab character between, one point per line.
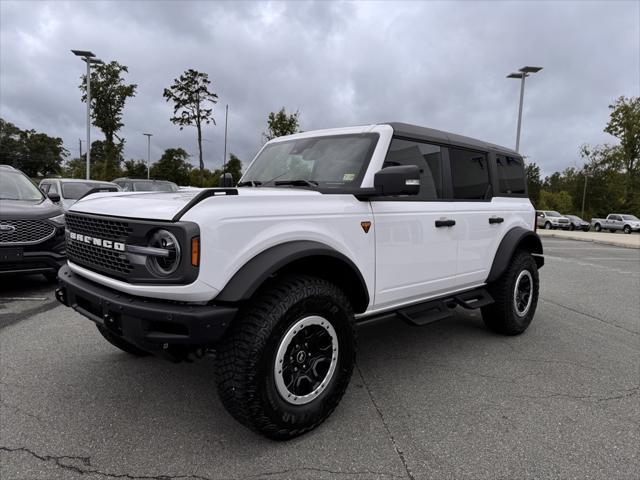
439	136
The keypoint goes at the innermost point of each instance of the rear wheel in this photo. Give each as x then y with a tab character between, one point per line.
572	227
118	342
627	229
597	227
516	296
287	359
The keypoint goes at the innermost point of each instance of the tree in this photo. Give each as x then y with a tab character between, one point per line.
624	124
36	154
190	96
280	124
558	201
135	169
109	93
173	166
234	167
534	184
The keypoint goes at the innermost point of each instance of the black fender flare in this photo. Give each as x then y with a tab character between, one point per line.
515	238
246	281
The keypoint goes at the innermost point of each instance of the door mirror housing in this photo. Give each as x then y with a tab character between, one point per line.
397	180
54	197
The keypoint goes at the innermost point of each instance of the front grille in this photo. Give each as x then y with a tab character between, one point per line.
98	227
95	257
25	232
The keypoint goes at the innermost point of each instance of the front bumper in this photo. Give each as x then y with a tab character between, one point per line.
150	324
31	260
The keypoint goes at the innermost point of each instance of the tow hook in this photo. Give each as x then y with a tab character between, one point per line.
61	296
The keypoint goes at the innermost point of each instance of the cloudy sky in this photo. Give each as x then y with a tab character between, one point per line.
438	64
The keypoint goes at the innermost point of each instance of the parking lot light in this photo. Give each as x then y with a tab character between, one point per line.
521	74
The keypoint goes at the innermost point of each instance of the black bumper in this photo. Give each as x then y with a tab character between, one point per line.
152	325
18	261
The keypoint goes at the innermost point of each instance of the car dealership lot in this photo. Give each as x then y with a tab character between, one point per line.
448	400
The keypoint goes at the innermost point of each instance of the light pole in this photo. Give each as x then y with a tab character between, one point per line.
148	135
224	160
523	73
89	58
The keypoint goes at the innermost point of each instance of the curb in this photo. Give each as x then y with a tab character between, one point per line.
592	240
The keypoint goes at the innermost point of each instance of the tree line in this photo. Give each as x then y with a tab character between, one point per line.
608	181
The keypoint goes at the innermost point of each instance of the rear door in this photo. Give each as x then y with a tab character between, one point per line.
476	236
415	258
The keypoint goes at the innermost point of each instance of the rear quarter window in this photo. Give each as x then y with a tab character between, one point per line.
511	175
469	174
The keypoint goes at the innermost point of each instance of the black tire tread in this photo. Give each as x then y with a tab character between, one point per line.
499	317
238	354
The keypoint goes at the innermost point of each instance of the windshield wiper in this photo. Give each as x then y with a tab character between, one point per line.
297	183
251	183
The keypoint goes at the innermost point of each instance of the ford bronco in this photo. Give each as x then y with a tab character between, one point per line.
325	230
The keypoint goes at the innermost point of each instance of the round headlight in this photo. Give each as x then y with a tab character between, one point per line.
168	262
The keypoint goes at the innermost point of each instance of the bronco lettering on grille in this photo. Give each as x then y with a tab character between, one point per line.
99	242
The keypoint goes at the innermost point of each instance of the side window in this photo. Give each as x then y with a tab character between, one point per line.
45	187
470	174
54	188
126	186
511	176
427	157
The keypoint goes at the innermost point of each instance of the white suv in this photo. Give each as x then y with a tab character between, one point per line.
326	229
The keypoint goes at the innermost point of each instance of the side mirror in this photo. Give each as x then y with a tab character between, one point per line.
226	180
398	180
54	197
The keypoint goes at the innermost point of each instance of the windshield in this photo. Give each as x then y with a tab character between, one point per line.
553	214
75	190
630	217
330	161
154	187
16	186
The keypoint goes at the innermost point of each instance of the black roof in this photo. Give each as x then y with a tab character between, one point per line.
439	136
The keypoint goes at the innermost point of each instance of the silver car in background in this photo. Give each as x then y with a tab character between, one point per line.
550	219
73	189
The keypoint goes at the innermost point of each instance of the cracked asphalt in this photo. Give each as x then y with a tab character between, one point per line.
447	400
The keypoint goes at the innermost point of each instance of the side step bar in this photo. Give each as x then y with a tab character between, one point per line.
435	310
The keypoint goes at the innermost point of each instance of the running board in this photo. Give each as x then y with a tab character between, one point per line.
474	299
434	310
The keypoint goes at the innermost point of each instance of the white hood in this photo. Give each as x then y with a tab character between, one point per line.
163	205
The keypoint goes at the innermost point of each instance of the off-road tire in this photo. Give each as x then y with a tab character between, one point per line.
120	343
597	227
627	229
247	354
501	316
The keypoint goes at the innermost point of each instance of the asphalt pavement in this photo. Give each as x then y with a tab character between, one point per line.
447	400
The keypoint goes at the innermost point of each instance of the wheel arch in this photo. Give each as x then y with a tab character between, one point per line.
304	256
516	238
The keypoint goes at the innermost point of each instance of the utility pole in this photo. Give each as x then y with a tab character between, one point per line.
523	73
224	161
80	141
89	58
148	135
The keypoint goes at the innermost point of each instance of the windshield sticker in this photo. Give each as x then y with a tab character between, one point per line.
348	177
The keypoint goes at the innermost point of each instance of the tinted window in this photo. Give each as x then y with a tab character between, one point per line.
154	187
511	177
427	157
76	190
469	174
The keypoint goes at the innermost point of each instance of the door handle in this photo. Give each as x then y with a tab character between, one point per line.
493	220
445	223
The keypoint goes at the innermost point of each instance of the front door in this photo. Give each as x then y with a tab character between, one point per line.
416	253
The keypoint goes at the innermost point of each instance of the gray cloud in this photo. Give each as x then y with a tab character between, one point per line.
441	65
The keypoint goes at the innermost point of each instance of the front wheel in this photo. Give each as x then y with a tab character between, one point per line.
547	226
598	228
627	229
516	296
287	359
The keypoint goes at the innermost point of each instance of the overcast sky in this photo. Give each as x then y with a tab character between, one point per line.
437	64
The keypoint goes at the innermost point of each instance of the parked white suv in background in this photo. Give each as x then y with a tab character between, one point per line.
326	229
549	219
